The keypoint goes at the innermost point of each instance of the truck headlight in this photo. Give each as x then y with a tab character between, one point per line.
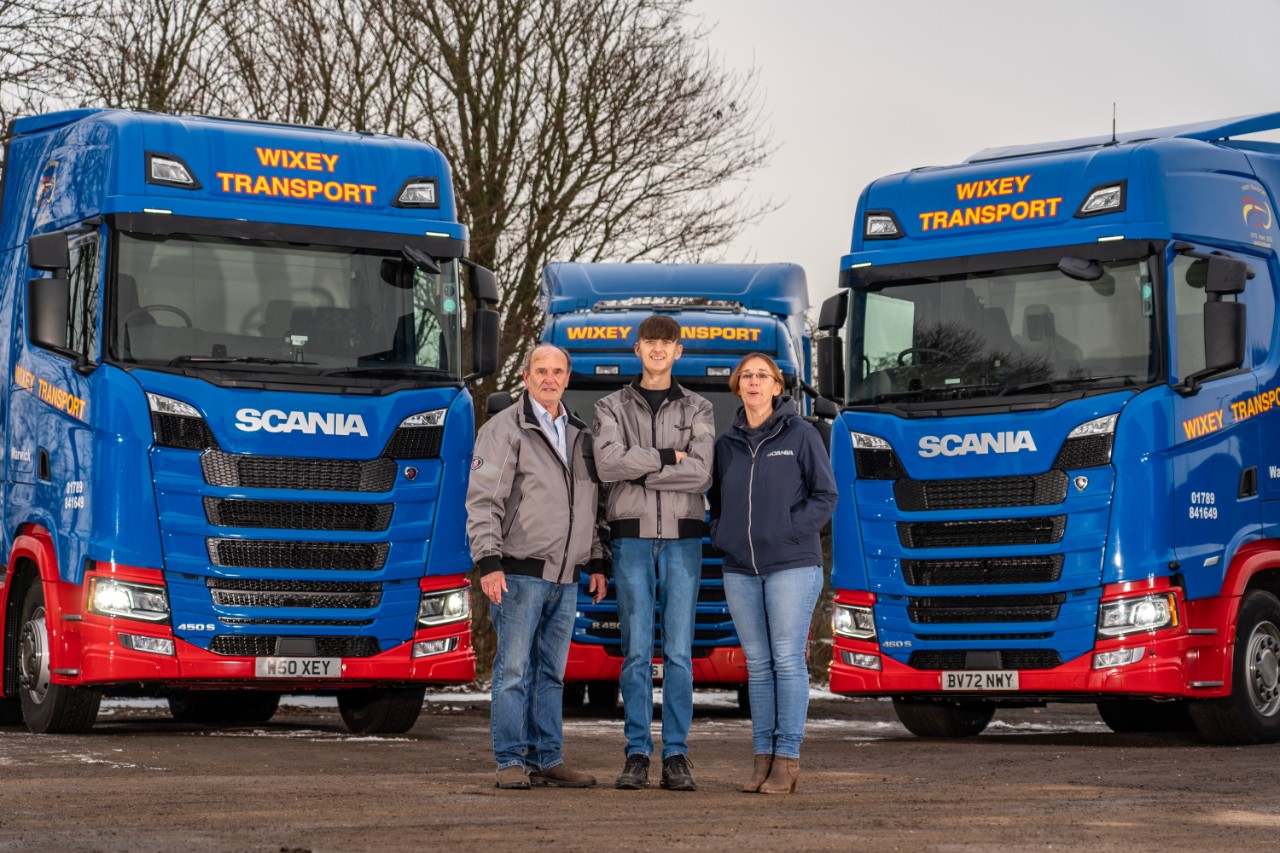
852	620
128	600
1136	615
444	606
178	424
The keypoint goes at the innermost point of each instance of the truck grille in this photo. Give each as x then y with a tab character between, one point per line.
343	623
274	554
297	515
414	443
1090	451
251	645
878	465
981	493
276	593
180	432
982	570
1009	659
1041	635
985	608
285	472
982	533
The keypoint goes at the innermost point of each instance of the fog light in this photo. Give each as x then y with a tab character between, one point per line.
1120	657
150	645
427	648
860	660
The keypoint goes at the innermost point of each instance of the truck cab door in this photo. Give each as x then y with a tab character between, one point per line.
1217	436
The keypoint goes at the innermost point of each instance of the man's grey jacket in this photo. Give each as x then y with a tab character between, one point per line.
528	513
652	496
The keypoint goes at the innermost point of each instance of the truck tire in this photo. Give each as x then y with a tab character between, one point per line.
223	707
381	710
575	694
943	718
1128	716
1251	714
602	698
47	708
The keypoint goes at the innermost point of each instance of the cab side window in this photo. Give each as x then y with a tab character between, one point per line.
1188	303
82	319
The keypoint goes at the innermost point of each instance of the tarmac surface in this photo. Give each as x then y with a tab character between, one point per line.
1038	779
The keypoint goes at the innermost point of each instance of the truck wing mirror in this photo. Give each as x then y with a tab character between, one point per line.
824	408
831	367
49	252
484	284
1225	275
48	307
1224	335
497	402
484	343
834	311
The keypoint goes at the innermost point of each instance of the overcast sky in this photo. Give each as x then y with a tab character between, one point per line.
857	89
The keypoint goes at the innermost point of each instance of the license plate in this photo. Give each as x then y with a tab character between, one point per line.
657	672
980	679
298	667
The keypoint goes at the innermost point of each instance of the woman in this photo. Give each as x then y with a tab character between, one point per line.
772	490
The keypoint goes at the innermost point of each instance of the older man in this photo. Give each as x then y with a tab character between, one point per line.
531	519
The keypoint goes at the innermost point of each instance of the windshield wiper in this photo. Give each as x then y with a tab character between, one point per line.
1066	383
231	359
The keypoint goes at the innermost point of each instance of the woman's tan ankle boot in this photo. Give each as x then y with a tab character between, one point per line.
761	772
782	776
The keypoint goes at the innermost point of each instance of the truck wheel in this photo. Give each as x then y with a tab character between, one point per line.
213	707
1251	714
934	718
381	710
744	701
602	698
48	708
1126	716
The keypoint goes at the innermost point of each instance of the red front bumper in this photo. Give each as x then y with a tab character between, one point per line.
589	662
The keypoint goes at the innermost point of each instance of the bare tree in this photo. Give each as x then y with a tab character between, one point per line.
23	57
580	130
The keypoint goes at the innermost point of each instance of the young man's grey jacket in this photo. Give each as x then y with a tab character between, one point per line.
652	496
528	513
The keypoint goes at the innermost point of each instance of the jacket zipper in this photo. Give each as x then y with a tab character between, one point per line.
751	489
653	419
568	479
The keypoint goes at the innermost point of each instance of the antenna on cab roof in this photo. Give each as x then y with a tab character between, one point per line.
1113	122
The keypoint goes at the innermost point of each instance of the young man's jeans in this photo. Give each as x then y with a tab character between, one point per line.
678	565
533	623
771	613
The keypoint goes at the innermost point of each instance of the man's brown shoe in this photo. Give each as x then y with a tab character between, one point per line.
561	776
513	778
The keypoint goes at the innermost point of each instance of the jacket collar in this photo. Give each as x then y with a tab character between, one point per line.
529	418
675	392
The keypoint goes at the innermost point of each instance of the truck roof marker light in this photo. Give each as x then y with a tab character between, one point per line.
157	210
1105	198
169	170
607	370
1104	425
881	225
720	371
417	192
860	266
1113	239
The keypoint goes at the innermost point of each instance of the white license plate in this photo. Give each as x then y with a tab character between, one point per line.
298	667
981	679
657	672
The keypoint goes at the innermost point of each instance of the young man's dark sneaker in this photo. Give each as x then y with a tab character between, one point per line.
677	774
635	773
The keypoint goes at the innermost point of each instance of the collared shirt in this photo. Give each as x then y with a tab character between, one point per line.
553	427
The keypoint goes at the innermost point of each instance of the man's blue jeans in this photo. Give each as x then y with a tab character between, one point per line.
771	613
672	567
533	623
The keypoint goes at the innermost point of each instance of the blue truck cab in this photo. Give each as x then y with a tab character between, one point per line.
725	311
236	423
1057	454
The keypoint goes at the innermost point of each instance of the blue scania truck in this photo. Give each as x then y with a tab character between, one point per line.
725	311
1059	453
237	424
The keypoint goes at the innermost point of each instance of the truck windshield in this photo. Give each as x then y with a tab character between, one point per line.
208	302
1006	332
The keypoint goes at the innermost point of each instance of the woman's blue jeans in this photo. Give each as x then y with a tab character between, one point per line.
771	613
